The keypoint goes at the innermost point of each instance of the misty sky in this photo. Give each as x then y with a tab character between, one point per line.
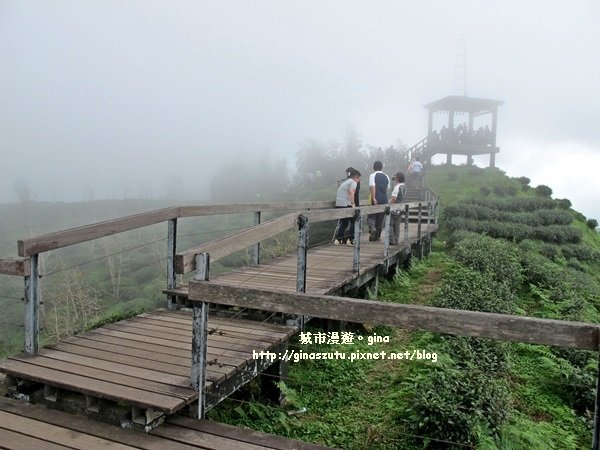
117	98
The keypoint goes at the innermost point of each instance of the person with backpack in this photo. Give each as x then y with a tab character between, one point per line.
379	183
398	194
345	198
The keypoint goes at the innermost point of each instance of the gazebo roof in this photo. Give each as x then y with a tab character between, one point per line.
462	103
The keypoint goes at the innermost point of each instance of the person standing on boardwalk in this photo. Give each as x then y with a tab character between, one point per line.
379	184
345	198
397	197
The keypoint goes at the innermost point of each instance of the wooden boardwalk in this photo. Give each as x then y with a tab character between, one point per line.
144	362
25	427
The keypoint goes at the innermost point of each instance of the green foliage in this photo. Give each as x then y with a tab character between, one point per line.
524	181
543	190
497	259
474	291
592	224
564	203
452	405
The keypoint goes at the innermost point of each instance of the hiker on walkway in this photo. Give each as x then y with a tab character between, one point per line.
379	184
397	196
345	198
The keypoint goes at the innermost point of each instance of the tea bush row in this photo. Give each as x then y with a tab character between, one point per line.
557	234
541	217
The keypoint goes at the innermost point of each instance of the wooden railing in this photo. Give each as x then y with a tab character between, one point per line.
178	263
502	327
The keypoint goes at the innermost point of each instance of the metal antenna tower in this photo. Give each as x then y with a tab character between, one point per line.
460	68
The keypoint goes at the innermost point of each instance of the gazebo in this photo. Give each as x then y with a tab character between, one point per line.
457	136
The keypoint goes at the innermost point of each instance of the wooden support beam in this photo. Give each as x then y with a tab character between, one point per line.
185	261
302	262
200	337
32	307
171	252
357	235
256	248
20	267
386	241
440	320
406	223
60	239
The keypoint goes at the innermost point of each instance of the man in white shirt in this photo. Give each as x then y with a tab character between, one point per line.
345	199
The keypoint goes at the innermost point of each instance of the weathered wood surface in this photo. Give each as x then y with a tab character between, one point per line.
184	261
145	361
64	238
25	426
59	239
329	267
462	323
208	210
20	267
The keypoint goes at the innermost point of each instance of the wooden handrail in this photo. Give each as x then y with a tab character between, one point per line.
59	239
65	238
504	327
185	261
20	267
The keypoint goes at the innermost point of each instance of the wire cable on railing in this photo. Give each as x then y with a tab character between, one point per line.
213	231
11	298
101	258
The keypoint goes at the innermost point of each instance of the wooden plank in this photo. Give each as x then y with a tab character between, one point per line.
19	441
208	441
20	267
232	358
56	435
96	388
150	380
216	347
243	434
60	239
449	321
185	261
83	424
221	329
239	208
216	339
102	355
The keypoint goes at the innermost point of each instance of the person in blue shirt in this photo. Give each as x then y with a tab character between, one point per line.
379	184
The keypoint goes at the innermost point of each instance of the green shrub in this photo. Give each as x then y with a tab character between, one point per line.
592	224
454	405
524	182
497	259
452	176
543	190
564	203
471	290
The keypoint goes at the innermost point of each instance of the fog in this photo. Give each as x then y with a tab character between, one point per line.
112	99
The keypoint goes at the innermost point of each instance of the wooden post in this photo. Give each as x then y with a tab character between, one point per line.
302	261
429	212
406	209
449	159
171	252
386	241
357	235
419	222
596	438
419	236
32	307
256	247
200	336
